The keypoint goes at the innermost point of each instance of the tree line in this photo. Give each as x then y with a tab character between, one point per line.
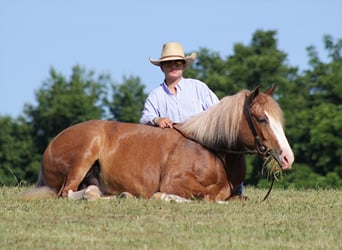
311	101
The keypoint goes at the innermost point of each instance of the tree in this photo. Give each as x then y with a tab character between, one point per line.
18	161
212	69
259	63
325	79
317	124
62	103
128	100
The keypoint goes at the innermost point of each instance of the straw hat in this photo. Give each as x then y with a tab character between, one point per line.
173	51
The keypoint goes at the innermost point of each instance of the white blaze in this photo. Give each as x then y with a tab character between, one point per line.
286	156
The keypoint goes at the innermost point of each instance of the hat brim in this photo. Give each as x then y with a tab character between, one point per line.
188	59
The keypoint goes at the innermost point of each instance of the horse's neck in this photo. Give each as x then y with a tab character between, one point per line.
218	149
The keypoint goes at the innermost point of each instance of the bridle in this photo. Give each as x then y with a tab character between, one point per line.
260	148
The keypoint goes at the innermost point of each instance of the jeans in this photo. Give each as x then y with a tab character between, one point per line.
239	189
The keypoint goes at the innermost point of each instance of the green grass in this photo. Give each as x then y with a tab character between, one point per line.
289	219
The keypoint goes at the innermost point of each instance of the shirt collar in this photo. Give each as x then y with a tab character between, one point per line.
180	86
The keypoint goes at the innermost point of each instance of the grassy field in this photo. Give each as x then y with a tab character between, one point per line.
289	219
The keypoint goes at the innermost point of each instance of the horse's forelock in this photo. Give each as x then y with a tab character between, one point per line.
273	109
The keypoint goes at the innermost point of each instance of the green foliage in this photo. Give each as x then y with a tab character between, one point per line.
211	69
318	142
315	115
325	79
62	103
303	177
260	63
128	100
326	138
18	161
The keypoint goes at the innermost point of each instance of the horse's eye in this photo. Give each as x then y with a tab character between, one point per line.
262	120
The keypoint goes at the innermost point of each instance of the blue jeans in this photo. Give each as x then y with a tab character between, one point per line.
239	189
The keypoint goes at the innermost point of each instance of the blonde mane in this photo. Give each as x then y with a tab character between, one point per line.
219	125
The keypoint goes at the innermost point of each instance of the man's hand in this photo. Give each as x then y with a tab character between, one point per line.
164	122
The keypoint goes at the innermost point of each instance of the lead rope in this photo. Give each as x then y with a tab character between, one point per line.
269	190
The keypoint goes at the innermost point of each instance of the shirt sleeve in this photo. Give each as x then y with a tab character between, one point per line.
149	112
211	98
208	96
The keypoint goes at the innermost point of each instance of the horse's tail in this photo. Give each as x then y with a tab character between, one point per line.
40	191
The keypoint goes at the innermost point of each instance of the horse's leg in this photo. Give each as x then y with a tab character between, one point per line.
92	177
76	175
73	153
236	172
186	185
221	191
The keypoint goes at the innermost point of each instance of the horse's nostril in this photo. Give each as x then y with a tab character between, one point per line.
288	158
286	162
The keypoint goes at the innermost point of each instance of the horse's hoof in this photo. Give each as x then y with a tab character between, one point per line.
126	195
244	198
78	195
238	197
92	192
169	197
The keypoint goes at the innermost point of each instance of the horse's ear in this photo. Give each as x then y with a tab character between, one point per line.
271	90
255	92
252	95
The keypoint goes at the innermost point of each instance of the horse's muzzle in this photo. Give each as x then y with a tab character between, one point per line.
284	160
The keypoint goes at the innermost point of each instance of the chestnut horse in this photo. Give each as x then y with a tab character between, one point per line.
200	158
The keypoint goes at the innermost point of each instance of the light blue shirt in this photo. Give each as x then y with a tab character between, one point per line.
191	98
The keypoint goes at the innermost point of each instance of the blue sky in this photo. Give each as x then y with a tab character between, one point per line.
117	37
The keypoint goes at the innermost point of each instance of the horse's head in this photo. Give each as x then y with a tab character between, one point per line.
262	127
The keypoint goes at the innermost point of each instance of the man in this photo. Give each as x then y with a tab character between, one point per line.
177	98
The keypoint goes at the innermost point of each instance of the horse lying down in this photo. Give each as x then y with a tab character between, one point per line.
202	158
